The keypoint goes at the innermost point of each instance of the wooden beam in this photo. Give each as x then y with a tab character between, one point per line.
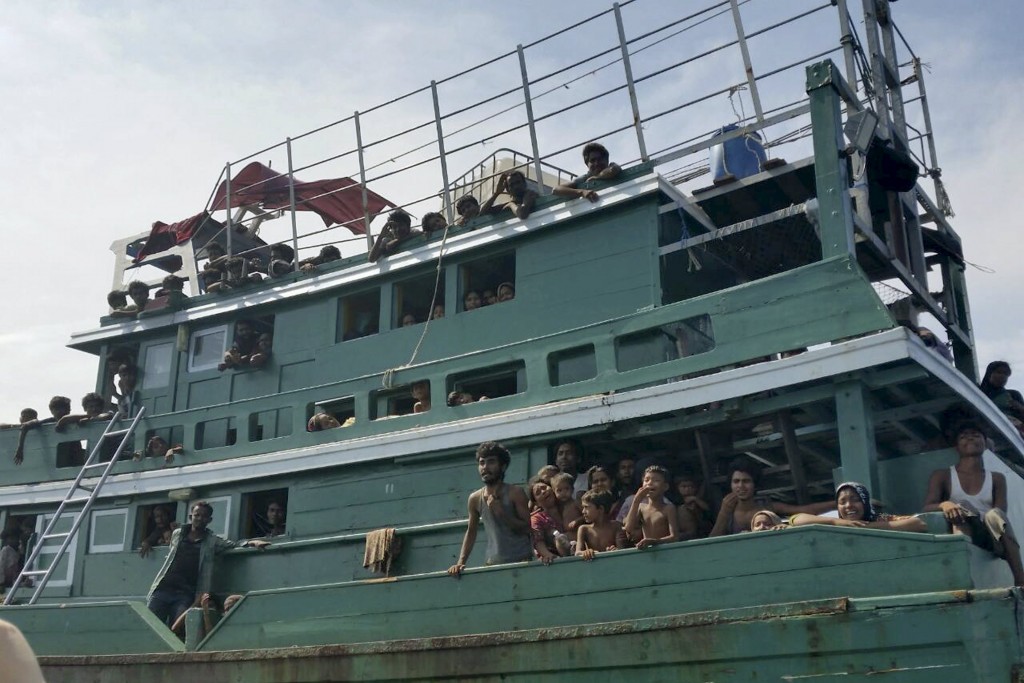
796	463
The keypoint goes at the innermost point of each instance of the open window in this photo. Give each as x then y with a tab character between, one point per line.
264	513
414	300
358	315
487	383
341	409
392	402
572	365
270	424
252	341
71	453
480	281
155	523
216	433
661	344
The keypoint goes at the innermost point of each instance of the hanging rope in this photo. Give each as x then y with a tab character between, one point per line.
387	380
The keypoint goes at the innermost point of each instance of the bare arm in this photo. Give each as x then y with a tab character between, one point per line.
669	511
632	521
611	172
724	520
526	207
469	539
909	523
376	251
938	492
499	189
804	518
583	548
999	491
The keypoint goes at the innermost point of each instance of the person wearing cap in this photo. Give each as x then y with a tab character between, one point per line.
973	499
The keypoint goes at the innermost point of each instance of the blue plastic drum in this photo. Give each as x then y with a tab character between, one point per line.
736	158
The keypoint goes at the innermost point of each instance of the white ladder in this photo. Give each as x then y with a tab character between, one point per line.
72	498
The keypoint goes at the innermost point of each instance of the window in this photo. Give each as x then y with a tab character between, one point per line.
492	382
270	424
149	518
572	365
216	433
156	371
264	513
483	278
173	436
221	515
252	340
414	301
206	348
71	453
661	344
342	409
358	315
107	531
392	403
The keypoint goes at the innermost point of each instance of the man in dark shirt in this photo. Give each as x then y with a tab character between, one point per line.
188	570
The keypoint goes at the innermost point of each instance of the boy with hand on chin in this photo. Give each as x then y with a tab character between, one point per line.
651	516
601	533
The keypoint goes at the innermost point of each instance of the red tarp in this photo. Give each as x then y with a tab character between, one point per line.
337	200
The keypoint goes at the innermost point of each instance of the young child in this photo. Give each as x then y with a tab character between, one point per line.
651	517
545	473
694	518
568	508
548	535
601	533
421	392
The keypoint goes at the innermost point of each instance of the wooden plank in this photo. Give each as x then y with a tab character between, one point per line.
794	456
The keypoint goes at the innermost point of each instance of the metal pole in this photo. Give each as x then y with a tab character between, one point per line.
227	204
362	183
291	200
440	149
892	62
927	116
630	85
529	118
751	81
876	60
846	40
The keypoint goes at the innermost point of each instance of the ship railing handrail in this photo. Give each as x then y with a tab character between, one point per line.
631	47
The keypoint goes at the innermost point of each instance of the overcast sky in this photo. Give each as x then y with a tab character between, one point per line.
116	114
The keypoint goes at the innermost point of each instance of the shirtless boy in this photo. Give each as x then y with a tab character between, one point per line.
693	510
651	517
740	506
601	533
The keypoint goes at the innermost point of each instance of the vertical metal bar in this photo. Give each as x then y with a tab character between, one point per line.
881	102
291	201
362	183
529	119
857	451
747	66
846	40
926	114
630	85
830	175
892	60
227	204
449	211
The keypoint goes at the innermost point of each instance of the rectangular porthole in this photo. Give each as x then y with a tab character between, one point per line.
577	364
664	343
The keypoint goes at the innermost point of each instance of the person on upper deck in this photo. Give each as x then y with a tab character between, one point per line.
742	503
27	415
94	406
502	507
980	515
59	407
118	302
327	254
596	157
854	509
433	222
468	208
395	233
1010	401
138	292
187	572
522	197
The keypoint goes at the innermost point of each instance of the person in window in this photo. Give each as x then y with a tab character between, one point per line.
471	301
157	447
241	351
163	527
522	198
396	232
275	525
596	157
506	292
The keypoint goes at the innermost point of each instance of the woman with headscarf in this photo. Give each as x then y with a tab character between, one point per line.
854	509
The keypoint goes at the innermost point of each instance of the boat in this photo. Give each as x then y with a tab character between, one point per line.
765	308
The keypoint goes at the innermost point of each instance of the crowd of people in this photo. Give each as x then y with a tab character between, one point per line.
565	512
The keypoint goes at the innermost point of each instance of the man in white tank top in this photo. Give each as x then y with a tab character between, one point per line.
973	499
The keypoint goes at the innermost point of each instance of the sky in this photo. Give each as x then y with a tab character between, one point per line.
120	113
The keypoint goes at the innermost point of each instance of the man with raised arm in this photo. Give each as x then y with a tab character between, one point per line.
503	508
396	232
595	156
973	499
522	197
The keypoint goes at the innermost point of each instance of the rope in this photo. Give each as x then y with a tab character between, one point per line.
387	381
